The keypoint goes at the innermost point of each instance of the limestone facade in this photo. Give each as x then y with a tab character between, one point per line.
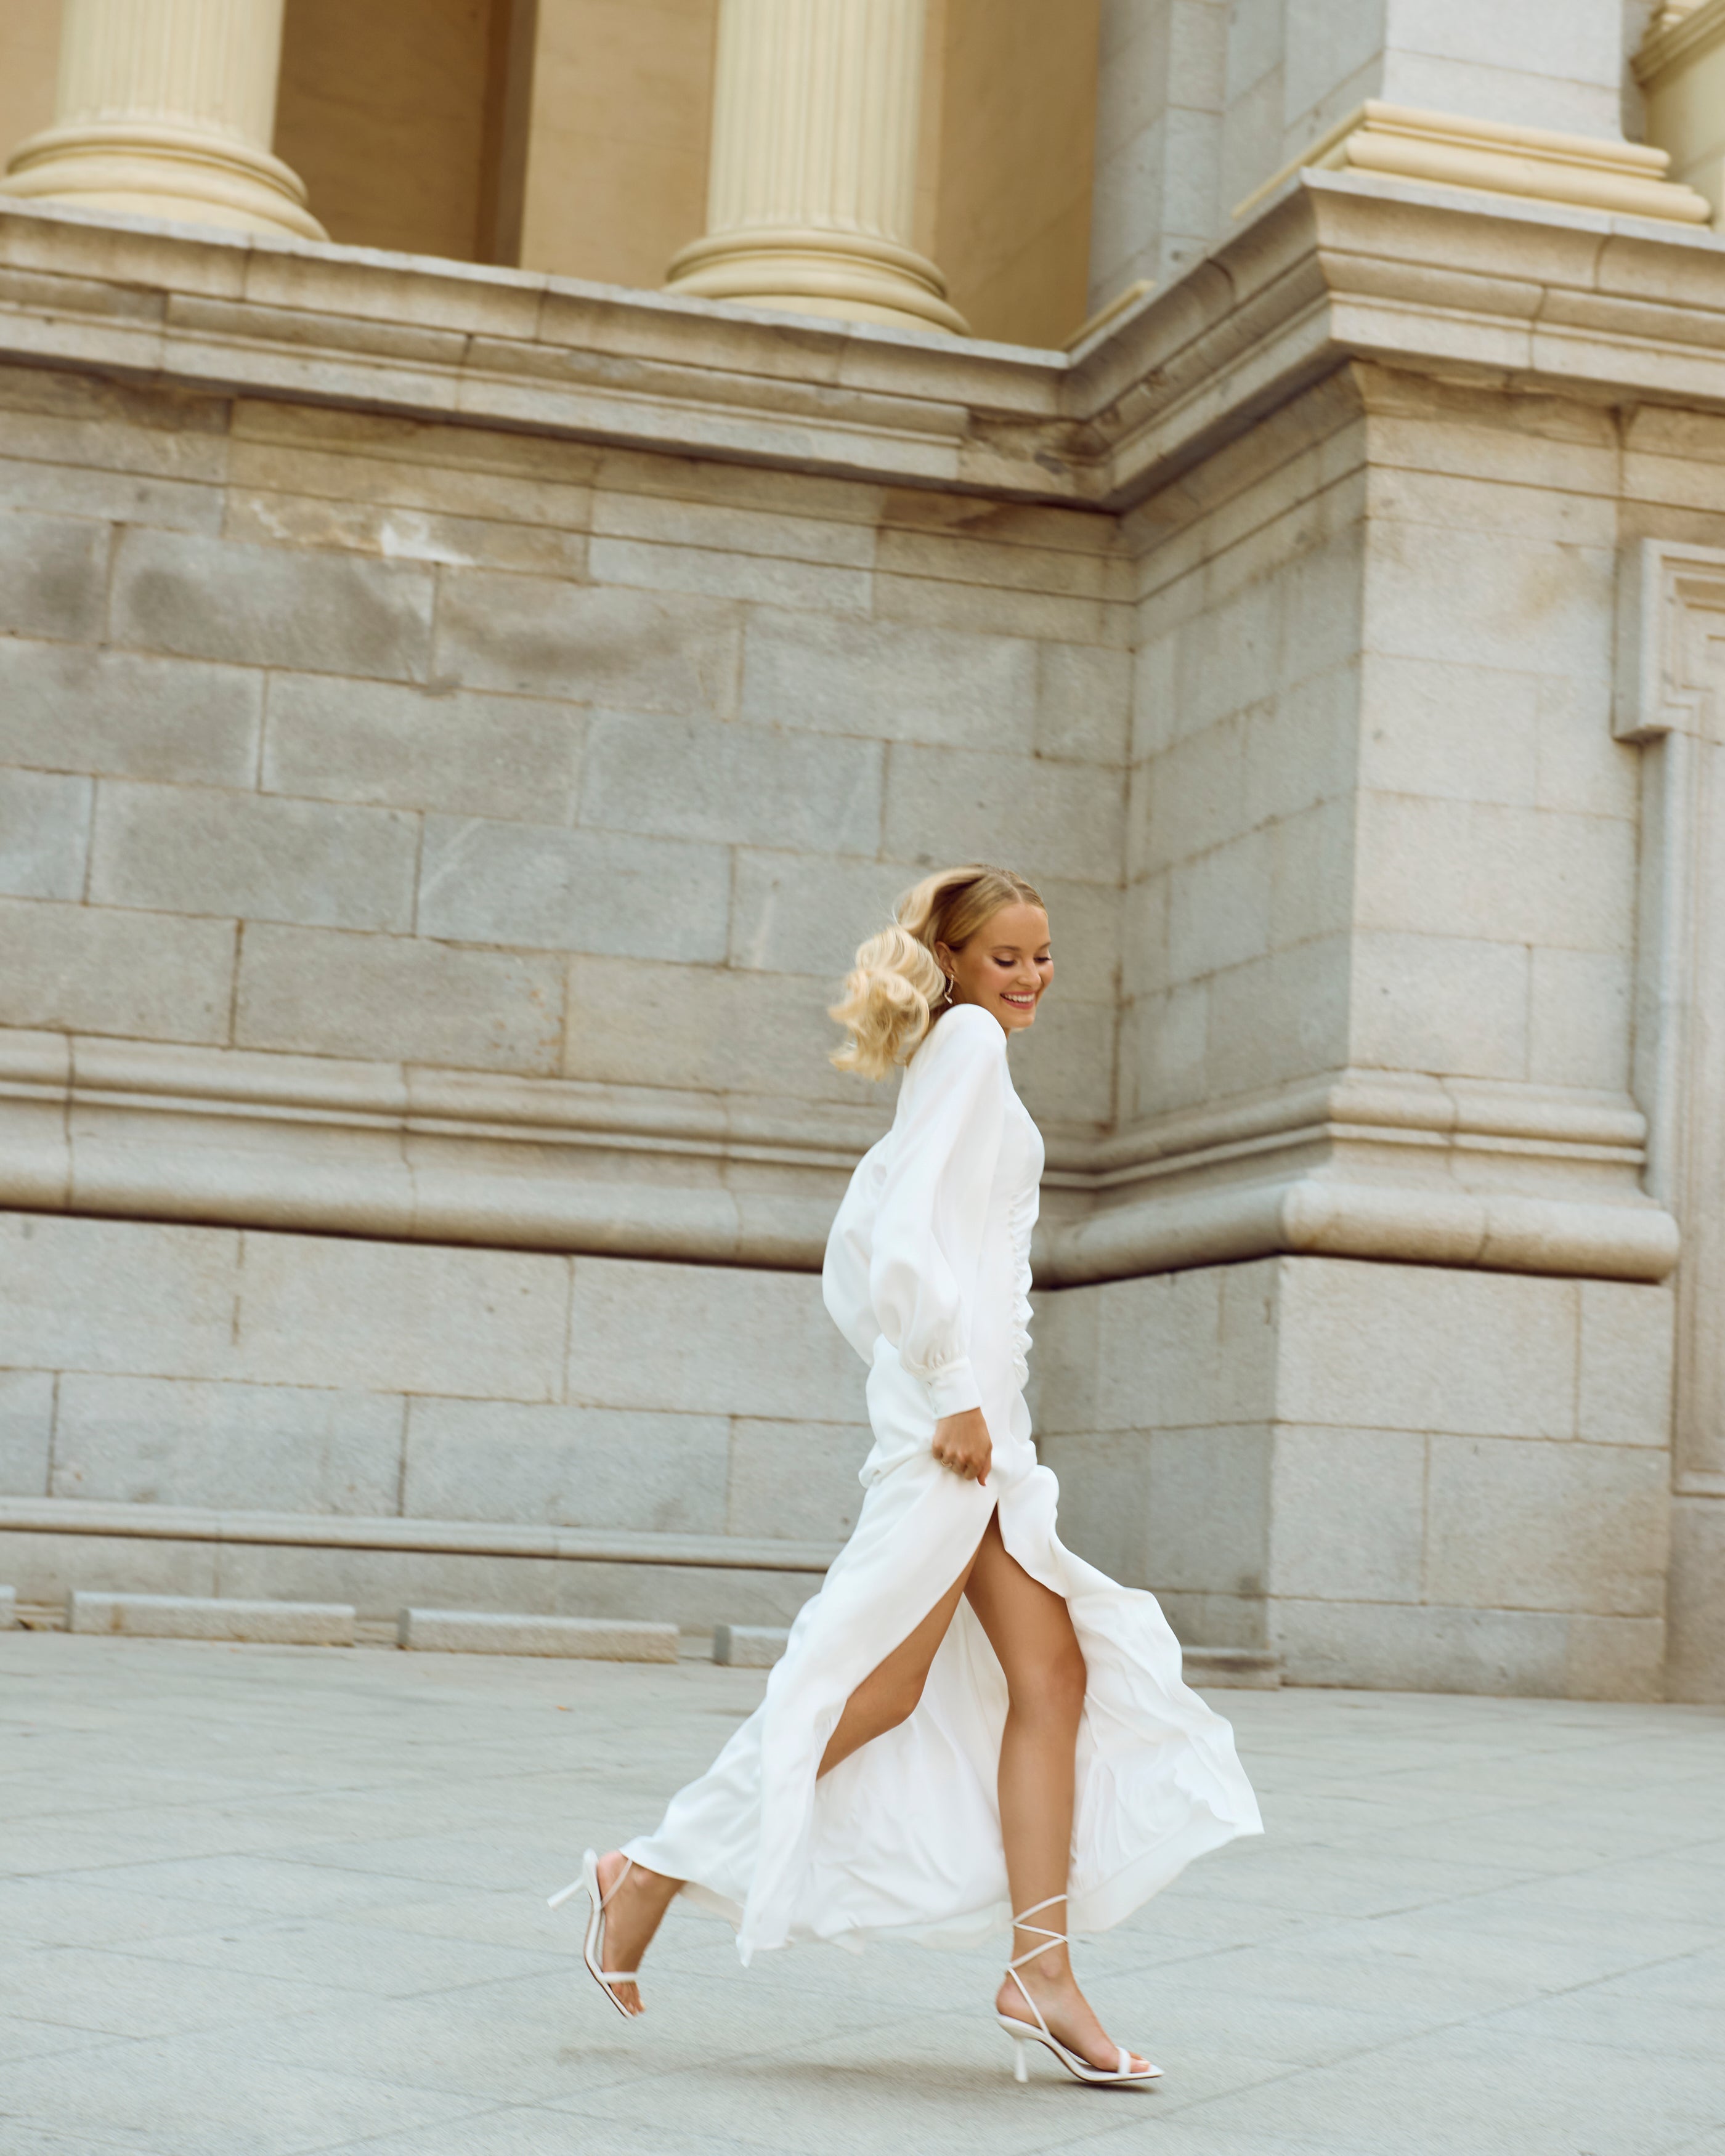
456	719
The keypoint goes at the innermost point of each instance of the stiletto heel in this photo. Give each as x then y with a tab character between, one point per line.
1022	2033
593	1944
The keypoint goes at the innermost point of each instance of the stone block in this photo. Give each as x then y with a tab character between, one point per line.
537	636
1626	1371
1516	603
571	1466
324	992
54	573
1583	769
1282	1017
8	1608
1230	656
1196	798
115	497
1580	1018
197	850
803	913
26	1431
765	580
1696	1613
890	680
1441	1004
45	833
1426	1348
1231	1669
1083	703
1220	907
749	1646
245	1448
797	1480
390	745
272	606
758	515
1105	1498
1063	1067
1444	729
1041	819
1302	748
1620	1658
86	1294
1511	876
1311	874
47	1568
1208	1524
1399	1647
98	969
211	1617
708	1340
1347	1514
398	534
732	783
490	1632
636	1024
67	707
1513	1525
393	1318
482	881
1165	1051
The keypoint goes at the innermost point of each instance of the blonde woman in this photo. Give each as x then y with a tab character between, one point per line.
970	1724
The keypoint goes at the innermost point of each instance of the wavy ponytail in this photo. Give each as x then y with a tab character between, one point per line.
891	995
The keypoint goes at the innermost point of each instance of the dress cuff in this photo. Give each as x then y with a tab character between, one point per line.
953	1387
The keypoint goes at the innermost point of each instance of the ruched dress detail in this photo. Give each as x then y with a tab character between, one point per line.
928	1275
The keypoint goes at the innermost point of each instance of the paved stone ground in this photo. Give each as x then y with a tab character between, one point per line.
264	1900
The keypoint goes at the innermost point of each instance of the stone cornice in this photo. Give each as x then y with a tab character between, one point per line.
1341	266
1358	1163
1680	43
88	1516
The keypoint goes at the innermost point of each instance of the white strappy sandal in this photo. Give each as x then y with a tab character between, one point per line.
1022	2033
592	1945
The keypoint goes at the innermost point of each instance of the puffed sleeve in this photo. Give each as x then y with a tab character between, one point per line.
934	1203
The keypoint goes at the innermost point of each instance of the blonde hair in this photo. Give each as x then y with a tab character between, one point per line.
891	995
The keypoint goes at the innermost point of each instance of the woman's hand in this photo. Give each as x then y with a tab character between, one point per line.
961	1443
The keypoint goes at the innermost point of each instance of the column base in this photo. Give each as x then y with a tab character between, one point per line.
159	172
809	271
1445	149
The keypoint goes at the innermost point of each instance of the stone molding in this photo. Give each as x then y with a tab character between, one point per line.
1671	698
191	1523
1360	1164
1677	40
1448	149
1346	265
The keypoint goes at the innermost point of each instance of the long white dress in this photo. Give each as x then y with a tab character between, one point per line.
928	1275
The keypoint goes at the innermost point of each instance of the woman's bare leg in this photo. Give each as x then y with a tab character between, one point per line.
1030	1630
886	1697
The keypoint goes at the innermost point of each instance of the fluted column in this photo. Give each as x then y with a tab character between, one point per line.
811	194
166	109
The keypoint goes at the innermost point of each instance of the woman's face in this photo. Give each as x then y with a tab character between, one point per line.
1005	966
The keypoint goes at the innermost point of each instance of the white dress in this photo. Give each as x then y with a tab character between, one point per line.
928	1275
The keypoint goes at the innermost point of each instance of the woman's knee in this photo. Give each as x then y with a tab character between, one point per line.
1053	1685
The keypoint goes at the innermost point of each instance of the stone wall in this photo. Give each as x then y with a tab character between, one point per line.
455	730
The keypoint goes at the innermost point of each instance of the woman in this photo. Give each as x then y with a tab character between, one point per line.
963	1690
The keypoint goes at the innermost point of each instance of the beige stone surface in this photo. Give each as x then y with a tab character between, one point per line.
191	1617
1696	1614
27	1400
490	1632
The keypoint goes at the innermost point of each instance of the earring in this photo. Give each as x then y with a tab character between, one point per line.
947	997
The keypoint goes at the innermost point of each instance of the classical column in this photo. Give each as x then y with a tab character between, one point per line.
811	194
166	109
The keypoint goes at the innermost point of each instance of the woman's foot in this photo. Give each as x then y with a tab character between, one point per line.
633	1912
1068	2013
